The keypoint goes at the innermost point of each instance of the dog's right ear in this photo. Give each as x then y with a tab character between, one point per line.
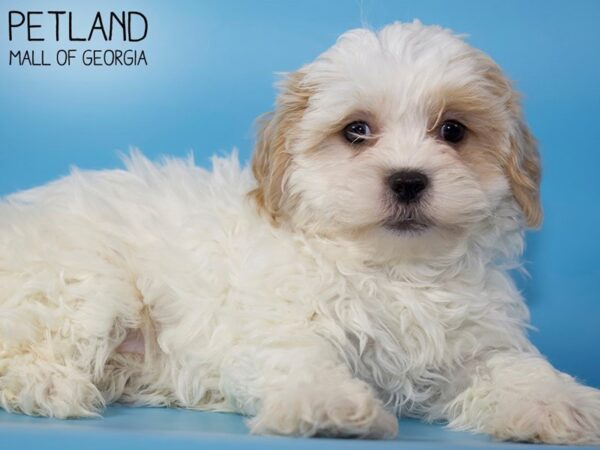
272	157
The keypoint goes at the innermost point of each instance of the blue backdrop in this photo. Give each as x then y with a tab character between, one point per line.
210	72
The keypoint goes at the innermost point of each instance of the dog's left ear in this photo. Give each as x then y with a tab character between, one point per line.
272	155
521	160
524	171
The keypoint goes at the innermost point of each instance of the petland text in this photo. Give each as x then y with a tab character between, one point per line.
34	27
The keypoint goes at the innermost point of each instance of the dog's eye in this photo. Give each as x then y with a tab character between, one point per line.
452	131
357	132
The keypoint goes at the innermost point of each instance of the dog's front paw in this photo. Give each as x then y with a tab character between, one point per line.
570	416
353	411
529	402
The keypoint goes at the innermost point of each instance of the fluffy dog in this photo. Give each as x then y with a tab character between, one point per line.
357	272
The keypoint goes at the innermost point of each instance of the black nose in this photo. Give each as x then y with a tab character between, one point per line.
408	185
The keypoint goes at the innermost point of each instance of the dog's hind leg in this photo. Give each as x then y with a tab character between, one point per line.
59	324
37	383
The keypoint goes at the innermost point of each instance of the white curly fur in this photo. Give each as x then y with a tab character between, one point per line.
164	284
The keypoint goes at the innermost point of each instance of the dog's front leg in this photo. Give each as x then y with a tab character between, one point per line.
296	385
521	397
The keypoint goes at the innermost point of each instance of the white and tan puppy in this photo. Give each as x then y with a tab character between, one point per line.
357	272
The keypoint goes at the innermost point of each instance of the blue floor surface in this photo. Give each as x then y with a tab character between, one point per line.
170	429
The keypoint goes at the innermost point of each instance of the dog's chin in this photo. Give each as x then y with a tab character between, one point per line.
407	221
407	226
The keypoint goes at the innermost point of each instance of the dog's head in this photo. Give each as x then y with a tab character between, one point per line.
408	132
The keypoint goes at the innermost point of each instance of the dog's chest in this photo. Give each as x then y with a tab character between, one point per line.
393	334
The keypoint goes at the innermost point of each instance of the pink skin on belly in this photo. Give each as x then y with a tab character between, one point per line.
133	343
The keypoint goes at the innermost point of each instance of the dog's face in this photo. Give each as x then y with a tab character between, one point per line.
409	133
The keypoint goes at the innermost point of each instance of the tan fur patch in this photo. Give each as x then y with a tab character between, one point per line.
271	157
522	162
524	171
487	113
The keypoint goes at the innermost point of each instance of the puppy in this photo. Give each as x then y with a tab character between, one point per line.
357	272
